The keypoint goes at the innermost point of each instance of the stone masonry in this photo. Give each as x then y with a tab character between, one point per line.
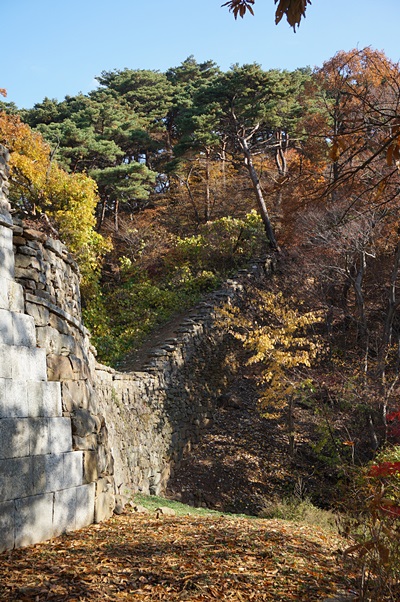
75	436
43	488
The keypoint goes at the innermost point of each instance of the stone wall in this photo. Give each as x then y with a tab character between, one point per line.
50	280
156	414
43	491
76	437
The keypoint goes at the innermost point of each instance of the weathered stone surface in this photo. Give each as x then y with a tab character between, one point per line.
15	297
59	368
83	423
104	506
14	437
39	436
13	399
90	466
26	363
24	333
54	342
76	394
85	443
16	479
5	362
7	525
6	263
73	469
48	473
60	435
33	519
85	496
39	313
64	518
6	331
44	398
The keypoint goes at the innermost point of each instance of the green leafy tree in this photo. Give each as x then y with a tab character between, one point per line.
101	135
253	111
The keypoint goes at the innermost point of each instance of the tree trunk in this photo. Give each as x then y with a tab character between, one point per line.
392	304
291	427
207	208
282	142
116	216
259	195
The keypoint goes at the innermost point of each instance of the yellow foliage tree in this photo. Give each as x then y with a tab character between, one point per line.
40	186
279	335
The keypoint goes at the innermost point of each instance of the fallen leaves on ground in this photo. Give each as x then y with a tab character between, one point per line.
133	557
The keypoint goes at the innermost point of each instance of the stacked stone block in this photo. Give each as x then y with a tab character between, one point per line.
74	434
155	415
42	487
50	279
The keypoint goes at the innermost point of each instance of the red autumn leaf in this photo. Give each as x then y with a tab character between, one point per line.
384	469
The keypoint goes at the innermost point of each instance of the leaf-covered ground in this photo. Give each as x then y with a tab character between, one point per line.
197	558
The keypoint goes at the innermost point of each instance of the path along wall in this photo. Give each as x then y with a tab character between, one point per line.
77	438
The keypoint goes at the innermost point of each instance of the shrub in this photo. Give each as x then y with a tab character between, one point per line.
378	537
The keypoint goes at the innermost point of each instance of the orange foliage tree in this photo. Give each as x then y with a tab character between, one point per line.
352	226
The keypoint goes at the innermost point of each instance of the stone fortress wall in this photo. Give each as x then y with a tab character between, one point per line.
77	437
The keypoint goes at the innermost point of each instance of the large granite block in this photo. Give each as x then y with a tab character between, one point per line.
6	361
44	398
85	495
13	399
33	519
104	506
6	263
14	437
6	238
24	332
27	363
73	469
7	525
6	330
39	436
4	302
76	394
16	478
60	435
16	297
64	518
48	473
55	342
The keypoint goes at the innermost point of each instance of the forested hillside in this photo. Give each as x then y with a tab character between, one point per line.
163	184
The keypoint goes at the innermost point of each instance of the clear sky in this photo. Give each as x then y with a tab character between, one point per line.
56	48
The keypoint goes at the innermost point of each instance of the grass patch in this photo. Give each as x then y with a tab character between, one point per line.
304	511
152	502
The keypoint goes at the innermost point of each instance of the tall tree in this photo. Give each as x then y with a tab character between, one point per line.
354	233
254	110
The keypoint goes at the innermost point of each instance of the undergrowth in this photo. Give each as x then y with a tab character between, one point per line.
147	285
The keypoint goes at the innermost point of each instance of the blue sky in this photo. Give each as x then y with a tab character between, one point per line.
56	48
